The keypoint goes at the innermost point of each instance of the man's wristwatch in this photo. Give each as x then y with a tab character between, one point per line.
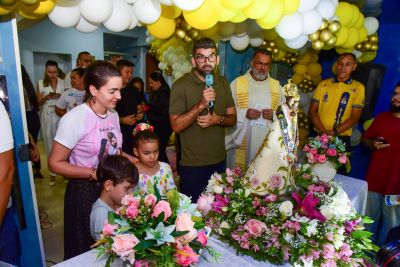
222	120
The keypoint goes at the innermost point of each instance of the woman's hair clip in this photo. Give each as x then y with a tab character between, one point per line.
142	127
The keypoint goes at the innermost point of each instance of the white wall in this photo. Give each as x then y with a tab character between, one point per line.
47	37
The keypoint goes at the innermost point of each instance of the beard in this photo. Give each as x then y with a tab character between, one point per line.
260	76
205	69
394	108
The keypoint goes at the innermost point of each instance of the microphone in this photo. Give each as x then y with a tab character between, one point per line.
209	82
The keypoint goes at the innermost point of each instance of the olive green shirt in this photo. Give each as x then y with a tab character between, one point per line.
200	147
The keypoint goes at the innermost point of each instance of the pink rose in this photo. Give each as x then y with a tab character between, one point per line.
184	223
321	158
108	229
255	227
162	206
275	181
331	152
270	198
132	212
310	158
324	139
204	203
202	238
306	148
129	200
229	172
313	151
123	246
342	158
186	256
141	263
150	200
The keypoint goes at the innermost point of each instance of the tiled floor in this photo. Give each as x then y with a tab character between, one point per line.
51	209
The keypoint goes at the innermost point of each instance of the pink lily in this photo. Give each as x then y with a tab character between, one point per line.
308	205
220	203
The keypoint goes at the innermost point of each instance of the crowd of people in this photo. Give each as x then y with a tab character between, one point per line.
108	136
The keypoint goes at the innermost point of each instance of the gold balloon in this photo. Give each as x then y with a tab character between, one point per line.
367	46
272	44
275	50
374	47
178	21
293	60
7	2
334	26
324	25
185	26
28	2
314	36
194	33
317	45
325	35
373	38
179	33
332	41
304	80
358	46
309	82
187	39
264	43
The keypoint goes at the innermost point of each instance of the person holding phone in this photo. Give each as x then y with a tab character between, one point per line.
383	174
49	90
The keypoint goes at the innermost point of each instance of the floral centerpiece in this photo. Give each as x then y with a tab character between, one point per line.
313	225
321	149
149	231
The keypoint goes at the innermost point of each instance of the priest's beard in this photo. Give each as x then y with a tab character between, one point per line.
260	76
394	108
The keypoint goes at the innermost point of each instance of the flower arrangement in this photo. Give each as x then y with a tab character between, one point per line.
149	231
324	148
313	225
141	127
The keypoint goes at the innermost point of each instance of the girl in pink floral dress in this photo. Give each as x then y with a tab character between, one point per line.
151	171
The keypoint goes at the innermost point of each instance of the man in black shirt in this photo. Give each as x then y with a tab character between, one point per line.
129	107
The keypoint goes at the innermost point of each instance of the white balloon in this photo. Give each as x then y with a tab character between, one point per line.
147	11
357	53
256	42
121	17
312	20
134	20
239	42
297	42
96	11
290	26
306	5
65	14
130	1
188	4
326	8
166	2
85	26
371	24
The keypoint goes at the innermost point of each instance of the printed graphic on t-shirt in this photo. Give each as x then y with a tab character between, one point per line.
341	108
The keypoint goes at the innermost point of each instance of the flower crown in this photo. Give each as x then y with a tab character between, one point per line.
142	127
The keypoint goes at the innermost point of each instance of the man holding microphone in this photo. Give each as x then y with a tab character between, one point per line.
200	109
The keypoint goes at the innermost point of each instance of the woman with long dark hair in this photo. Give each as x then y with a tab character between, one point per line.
158	114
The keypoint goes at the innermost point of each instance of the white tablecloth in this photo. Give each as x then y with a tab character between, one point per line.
356	190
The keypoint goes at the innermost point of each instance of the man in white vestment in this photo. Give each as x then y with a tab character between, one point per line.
256	96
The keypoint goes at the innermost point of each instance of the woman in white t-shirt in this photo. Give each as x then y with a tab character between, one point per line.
77	149
49	90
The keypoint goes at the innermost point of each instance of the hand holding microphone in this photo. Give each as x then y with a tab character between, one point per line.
209	94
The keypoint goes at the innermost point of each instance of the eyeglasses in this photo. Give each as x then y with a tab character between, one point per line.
202	58
262	64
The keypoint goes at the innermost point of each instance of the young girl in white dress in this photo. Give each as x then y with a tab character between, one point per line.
151	171
49	90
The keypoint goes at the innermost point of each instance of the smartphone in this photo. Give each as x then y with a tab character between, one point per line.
382	140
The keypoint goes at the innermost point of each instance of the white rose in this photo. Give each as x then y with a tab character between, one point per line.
312	228
339	207
286	208
288	237
218	189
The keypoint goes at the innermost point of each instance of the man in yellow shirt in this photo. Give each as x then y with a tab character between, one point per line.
338	102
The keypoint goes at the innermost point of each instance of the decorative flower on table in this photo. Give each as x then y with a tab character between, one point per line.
150	231
324	148
306	226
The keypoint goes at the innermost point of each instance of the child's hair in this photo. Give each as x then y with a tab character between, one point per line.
117	169
143	137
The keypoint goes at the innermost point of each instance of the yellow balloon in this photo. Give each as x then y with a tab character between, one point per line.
28	2
236	4
344	12
210	32
257	9
226	14
297	78
342	50
367	57
300	69
203	17
313	56
314	69
270	35
305	58
316	79
226	29
367	123
342	35
44	8
290	6
352	40
4	10
360	21
281	54
239	17
273	16
170	12
163	28
363	34
356	15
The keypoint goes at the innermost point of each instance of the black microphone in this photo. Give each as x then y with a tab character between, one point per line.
209	83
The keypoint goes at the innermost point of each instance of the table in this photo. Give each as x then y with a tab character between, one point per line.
356	190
